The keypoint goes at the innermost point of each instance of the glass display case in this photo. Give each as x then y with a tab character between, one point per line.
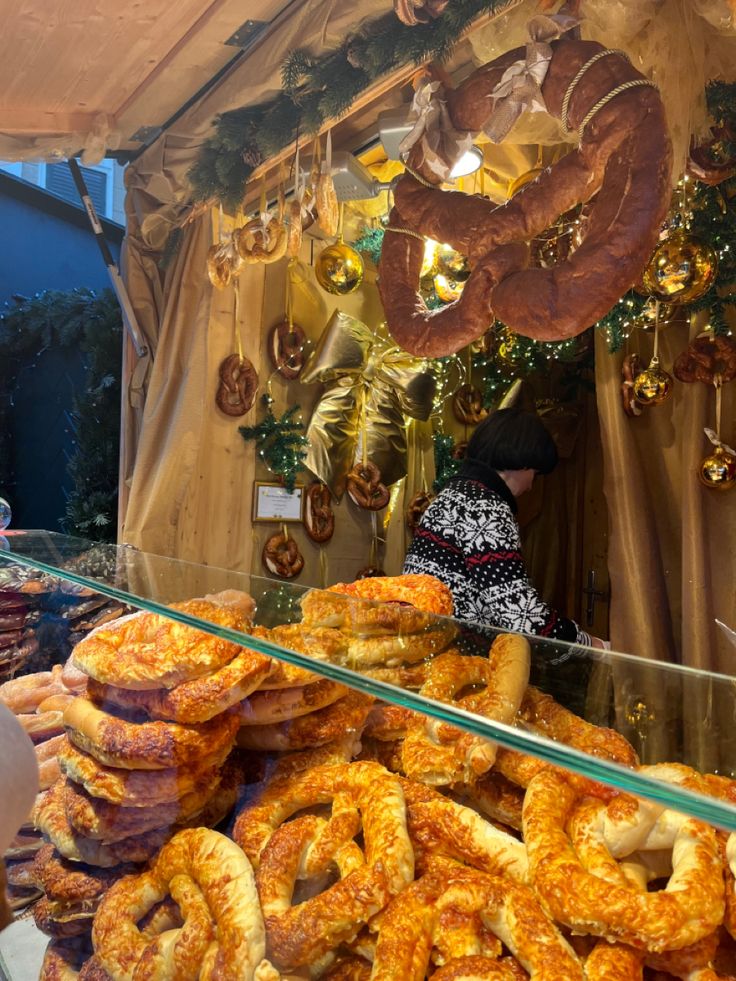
364	751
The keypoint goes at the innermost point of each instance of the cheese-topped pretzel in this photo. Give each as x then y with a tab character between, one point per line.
281	705
347	714
439	753
574	843
362	796
145	745
136	788
192	701
148	650
414	925
415	589
211	881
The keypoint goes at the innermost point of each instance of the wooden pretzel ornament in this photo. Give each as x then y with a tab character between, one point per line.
261	240
319	518
623	162
706	359
365	488
630	368
281	556
286	347
236	392
467	405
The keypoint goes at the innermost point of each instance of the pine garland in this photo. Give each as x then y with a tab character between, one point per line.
279	443
445	464
317	89
92	322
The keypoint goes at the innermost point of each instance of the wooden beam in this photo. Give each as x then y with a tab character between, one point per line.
35	121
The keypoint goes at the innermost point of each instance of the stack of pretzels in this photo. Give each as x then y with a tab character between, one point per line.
376	842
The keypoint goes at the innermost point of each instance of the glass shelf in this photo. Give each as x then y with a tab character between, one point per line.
66	565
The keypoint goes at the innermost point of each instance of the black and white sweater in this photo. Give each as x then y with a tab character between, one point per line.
469	538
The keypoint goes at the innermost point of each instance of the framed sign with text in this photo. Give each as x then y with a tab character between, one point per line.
273	502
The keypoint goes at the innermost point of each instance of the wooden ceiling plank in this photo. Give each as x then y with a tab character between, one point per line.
36	121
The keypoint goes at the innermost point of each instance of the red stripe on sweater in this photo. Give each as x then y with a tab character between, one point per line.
494	557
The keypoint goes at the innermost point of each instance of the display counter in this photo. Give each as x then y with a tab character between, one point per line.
375	770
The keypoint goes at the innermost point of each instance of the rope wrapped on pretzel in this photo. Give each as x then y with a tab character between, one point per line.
623	163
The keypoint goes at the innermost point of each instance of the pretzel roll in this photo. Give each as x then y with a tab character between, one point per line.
443	827
193	701
623	163
439	753
364	487
579	881
280	705
347	714
412	926
136	788
212	882
149	651
50	817
319	518
145	745
364	797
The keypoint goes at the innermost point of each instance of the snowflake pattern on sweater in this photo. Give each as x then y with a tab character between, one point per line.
469	539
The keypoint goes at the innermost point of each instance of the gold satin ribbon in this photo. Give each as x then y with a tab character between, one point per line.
368	379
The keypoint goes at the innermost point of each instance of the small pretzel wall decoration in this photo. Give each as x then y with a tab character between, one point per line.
236	392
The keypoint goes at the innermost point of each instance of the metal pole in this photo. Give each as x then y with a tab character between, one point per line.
129	318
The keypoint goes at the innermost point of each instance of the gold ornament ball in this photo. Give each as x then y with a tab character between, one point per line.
681	269
652	386
508	352
339	269
648	316
452	264
448	290
718	470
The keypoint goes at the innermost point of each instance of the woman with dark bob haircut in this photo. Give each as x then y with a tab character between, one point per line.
469	536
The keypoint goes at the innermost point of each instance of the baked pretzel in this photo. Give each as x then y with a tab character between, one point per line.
411	12
286	347
238	385
145	745
346	714
623	164
439	753
706	359
261	240
212	883
319	518
417	506
419	590
364	797
365	488
281	556
175	653
630	368
421	921
494	796
326	203
136	788
281	705
573	844
192	701
467	405
706	161
323	644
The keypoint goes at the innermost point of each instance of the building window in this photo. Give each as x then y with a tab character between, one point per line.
60	182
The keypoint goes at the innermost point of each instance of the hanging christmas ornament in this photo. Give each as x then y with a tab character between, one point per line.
467	405
286	340
630	370
448	290
682	269
223	261
653	385
281	556
319	518
718	469
508	354
452	264
339	268
238	379
325	197
416	508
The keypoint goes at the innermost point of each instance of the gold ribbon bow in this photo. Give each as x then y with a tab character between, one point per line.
371	386
520	88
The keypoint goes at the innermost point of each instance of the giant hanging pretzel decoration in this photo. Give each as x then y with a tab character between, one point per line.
624	160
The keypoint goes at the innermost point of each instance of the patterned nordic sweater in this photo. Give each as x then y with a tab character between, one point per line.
469	538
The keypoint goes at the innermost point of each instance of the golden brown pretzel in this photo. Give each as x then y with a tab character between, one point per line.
417	506
629	370
705	358
467	405
319	518
623	162
281	556
365	488
347	714
260	241
286	347
236	392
